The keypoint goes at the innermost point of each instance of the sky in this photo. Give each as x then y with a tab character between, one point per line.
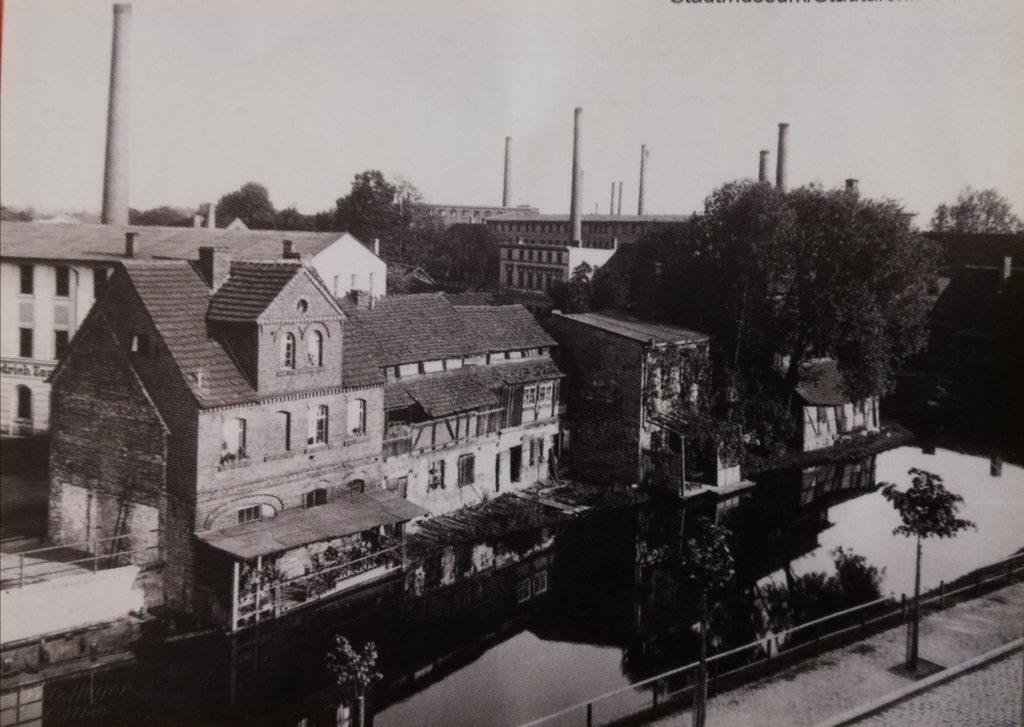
916	98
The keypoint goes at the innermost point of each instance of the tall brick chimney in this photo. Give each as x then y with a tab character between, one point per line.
115	169
506	190
762	167
619	209
575	212
611	203
780	158
643	170
214	265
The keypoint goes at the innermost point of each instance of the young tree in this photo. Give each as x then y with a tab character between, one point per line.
977	211
927	510
353	671
708	564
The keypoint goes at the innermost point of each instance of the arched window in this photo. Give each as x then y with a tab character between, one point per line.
25	403
288	351
316	348
318	425
315	497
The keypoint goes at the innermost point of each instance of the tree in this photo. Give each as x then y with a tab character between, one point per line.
370	210
977	211
708	564
573	296
161	216
927	509
251	204
353	671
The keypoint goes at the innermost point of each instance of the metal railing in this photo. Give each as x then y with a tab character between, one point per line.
41	564
674	689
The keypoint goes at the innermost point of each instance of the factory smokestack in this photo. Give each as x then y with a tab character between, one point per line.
575	216
780	158
506	190
115	171
619	211
762	169
611	202
643	169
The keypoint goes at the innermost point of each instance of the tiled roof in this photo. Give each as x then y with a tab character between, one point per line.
250	288
359	360
176	298
519	372
821	383
409	328
106	243
636	329
503	328
443	393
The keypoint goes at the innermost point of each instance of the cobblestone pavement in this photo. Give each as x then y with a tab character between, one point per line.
985	697
840	680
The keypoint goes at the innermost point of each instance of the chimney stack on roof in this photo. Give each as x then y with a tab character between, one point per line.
214	265
506	190
643	169
129	244
288	251
376	246
762	168
853	186
575	202
197	220
211	216
780	159
115	170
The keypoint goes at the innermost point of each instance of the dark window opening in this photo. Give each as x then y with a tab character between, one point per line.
60	344
63	281
27	276
25	342
250	514
315	497
25	403
515	463
99	281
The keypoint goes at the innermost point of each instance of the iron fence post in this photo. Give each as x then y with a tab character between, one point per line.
903	608
768	657
654	699
21	570
977	582
1009	571
942	595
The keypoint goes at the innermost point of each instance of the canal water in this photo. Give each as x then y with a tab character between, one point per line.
585	617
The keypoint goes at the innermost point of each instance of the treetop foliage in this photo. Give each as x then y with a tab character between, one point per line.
977	211
926	508
353	670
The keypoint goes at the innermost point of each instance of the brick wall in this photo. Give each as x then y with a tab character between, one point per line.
108	442
605	399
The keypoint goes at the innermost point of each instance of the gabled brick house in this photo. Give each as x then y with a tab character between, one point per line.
472	398
213	409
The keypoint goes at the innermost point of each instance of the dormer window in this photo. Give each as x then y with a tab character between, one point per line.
288	351
316	348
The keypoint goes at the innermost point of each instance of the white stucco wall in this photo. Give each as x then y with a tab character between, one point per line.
348	264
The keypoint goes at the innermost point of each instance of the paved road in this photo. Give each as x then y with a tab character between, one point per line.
986	697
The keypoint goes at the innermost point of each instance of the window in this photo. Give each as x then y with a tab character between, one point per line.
139	344
60	344
822	415
467	469
24	403
435	475
544	392
63	281
25	342
316	348
523	590
319	424
529	395
286	429
99	281
357	416
250	514
337	280
28	279
233	440
315	497
540	582
288	351
302	305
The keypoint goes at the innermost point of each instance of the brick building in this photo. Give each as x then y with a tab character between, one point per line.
536	250
213	412
471	400
51	274
443	215
639	404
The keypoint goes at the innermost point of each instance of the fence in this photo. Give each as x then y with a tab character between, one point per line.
54	561
674	689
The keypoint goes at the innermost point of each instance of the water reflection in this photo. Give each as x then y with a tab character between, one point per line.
589	606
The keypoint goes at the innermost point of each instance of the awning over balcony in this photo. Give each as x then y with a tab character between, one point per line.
347	515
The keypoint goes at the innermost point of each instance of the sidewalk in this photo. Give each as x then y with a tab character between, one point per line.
841	680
